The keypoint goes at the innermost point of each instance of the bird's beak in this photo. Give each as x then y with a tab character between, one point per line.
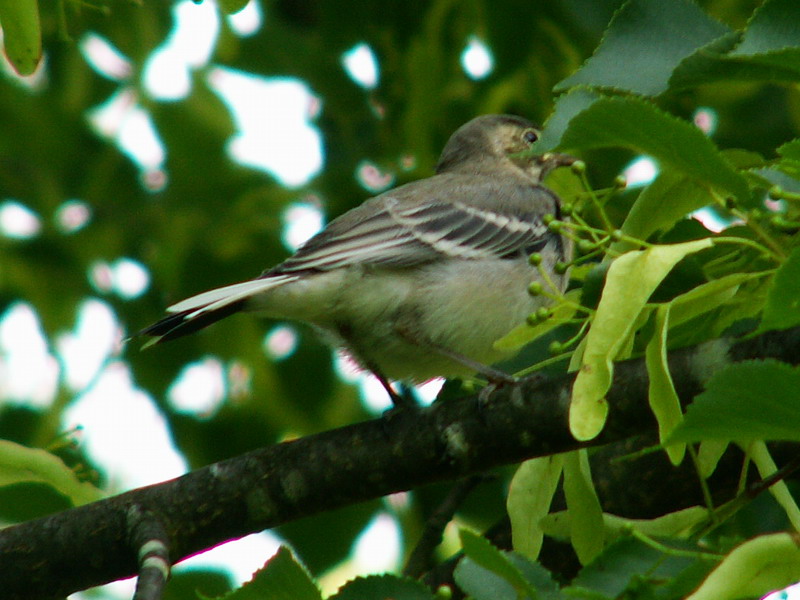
554	160
550	161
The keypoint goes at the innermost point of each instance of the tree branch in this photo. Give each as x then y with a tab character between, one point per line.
90	545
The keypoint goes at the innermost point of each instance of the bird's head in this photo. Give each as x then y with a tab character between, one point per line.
484	142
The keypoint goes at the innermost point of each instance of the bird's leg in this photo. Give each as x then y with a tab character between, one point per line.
398	400
495	377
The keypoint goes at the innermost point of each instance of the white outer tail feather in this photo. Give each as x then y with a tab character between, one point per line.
220	297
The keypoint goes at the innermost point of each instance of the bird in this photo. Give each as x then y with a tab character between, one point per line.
419	281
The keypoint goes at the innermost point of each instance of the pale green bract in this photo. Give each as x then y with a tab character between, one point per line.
631	280
19	464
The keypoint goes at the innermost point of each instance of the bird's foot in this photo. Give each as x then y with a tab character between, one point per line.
495	380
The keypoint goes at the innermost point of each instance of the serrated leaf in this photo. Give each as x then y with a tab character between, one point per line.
587	532
21	464
773	27
790	150
627	562
567	106
487	556
754	568
22	35
383	587
640	126
745	401
482	584
281	578
644	43
630	281
529	497
768	50
782	309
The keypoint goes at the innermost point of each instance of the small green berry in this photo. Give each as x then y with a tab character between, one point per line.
561	267
555	347
616	235
555	226
548	218
620	182
543	313
535	288
535	259
444	592
775	192
578	167
586	246
567	208
532	319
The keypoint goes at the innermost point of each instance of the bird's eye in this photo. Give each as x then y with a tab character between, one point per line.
530	136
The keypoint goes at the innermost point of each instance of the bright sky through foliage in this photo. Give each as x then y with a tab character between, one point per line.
477	59
120	426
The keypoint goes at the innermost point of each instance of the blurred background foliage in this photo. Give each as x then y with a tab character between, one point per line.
200	219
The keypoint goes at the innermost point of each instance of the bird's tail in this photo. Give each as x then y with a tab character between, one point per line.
197	312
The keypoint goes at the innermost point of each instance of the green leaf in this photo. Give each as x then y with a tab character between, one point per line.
697	301
483	584
768	50
383	586
22	35
669	198
773	27
707	67
640	126
628	562
487	556
678	524
630	281
766	466
745	401
790	150
566	108
754	568
782	309
529	498
787	174
20	464
709	455
707	297
664	401
644	43
28	500
281	578
587	533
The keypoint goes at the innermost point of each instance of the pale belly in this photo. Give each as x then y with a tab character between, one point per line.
395	319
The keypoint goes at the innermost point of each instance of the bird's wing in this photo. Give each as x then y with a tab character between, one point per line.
398	234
